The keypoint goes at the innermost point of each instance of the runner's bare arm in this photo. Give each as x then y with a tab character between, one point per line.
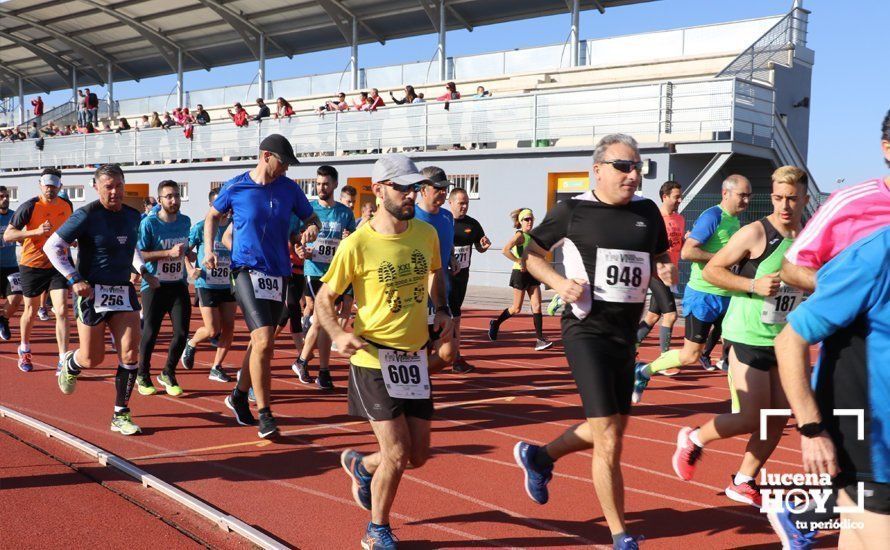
313	226
442	318
692	251
211	224
798	276
535	260
227	236
483	244
18	235
326	314
792	353
507	250
744	244
665	270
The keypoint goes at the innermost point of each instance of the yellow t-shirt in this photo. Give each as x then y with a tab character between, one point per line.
390	276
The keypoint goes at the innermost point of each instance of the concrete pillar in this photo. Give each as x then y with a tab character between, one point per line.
576	21
109	84
261	74
21	100
443	61
180	90
74	86
353	54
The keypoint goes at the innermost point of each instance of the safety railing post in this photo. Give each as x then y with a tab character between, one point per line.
534	120
336	132
136	148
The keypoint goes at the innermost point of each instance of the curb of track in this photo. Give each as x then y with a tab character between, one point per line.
224	521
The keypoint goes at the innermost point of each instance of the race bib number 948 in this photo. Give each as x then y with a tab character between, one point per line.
621	276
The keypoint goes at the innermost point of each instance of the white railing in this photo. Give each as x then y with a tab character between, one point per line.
774	46
691	111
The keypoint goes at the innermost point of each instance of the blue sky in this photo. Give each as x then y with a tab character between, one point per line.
850	78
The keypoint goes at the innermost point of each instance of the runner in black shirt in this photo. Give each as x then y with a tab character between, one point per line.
613	243
468	234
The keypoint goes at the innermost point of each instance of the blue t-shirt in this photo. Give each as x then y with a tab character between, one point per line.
444	224
261	214
106	242
224	255
850	314
156	234
7	250
333	221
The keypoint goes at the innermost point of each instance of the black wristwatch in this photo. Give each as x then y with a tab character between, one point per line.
811	430
446	309
74	279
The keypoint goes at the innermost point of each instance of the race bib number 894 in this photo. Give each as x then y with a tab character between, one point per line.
266	287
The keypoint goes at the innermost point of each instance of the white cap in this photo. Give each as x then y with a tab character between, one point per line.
397	168
51	180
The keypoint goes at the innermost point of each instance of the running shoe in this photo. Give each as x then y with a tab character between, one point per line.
43	314
267	426
241	409
121	422
379	538
301	369
640	382
785	527
170	385
4	328
324	380
25	362
67	380
555	304
493	328
334	346
628	543
746	493
58	368
306	322
461	366
686	456
219	374
723	365
361	485
536	480
214	340
188	357
111	343
250	395
144	386
541	345
706	364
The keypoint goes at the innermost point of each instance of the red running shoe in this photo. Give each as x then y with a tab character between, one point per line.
686	455
746	493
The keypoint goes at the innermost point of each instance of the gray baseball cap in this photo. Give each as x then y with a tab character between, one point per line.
437	177
397	168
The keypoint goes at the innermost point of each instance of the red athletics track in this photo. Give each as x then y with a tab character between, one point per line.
468	495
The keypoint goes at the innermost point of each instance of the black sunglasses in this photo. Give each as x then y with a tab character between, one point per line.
410	188
625	166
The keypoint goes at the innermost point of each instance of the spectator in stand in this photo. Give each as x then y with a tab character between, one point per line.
106	127
64	131
201	116
176	115
143	123
283	108
92	103
410	96
450	94
122	124
339	104
239	116
168	121
264	110
375	101
481	92
34	131
88	128
81	108
51	129
37	103
187	116
155	120
361	102
419	99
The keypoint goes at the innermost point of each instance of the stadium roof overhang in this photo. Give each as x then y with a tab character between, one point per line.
42	40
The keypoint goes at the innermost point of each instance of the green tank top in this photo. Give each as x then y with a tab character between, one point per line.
518	250
726	228
752	319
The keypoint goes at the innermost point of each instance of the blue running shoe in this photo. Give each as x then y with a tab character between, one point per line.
379	538
640	382
628	543
706	364
25	362
250	395
792	538
361	485
535	480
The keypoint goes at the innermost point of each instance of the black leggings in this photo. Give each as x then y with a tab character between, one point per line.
156	303
296	284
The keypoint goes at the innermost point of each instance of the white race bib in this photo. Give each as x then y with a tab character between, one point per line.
219	275
170	270
111	298
15	282
462	255
776	308
266	287
621	276
324	249
405	374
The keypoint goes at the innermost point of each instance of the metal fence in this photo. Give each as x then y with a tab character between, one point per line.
703	110
774	46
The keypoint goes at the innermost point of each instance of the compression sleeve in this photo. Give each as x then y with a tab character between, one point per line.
56	249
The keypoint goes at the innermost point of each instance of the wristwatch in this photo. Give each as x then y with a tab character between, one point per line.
811	430
74	279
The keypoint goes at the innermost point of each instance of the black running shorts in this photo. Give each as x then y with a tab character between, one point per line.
86	312
757	357
522	280
213	297
876	498
369	399
662	298
604	373
5	284
257	313
459	284
36	281
292	311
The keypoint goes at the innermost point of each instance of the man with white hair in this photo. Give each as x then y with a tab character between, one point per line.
704	304
614	243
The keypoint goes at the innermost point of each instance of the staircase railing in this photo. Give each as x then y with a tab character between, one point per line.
788	153
774	46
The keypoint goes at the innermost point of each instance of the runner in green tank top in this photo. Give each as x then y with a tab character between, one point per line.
755	317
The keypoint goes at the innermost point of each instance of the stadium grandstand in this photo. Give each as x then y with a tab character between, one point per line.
700	106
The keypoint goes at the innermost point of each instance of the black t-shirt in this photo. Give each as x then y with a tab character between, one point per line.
106	242
612	247
468	233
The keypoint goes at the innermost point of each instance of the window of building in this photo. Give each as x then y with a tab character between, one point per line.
308	187
467	182
75	193
214	185
184	190
13	194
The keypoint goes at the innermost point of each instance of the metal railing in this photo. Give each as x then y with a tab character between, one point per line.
775	45
690	111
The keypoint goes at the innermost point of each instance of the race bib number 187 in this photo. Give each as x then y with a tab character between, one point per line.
776	308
